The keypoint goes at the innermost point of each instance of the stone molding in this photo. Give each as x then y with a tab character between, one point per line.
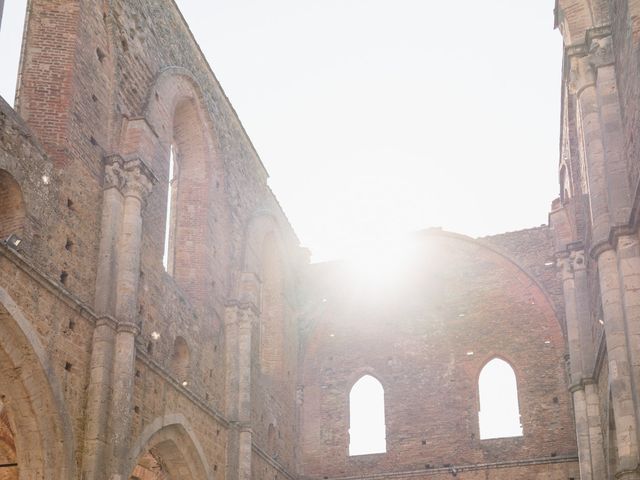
107	321
128	327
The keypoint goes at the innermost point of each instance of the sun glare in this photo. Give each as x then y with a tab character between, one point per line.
381	263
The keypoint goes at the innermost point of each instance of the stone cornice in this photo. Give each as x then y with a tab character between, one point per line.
272	461
143	357
128	327
53	287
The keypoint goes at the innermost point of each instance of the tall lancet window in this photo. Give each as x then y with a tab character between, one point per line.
367	430
170	220
499	414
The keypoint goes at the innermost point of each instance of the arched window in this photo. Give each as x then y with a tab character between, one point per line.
12	213
499	414
170	220
11	33
180	360
367	430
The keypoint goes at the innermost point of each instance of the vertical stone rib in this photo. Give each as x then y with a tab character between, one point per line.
591	459
94	464
138	181
619	368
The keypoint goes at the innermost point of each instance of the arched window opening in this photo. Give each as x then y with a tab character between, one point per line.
8	458
499	414
273	310
12	24
367	429
180	361
12	212
170	219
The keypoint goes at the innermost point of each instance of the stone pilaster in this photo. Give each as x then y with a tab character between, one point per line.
620	380
628	252
588	429
583	85
94	461
242	318
138	181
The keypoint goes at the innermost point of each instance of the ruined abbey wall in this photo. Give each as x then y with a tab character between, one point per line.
160	322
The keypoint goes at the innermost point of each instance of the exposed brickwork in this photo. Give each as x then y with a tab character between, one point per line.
427	343
237	362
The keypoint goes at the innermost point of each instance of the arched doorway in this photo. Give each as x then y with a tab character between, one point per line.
168	449
37	440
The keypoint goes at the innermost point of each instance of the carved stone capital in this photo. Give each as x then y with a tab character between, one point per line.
246	315
564	264
139	179
578	262
601	52
572	263
581	74
114	172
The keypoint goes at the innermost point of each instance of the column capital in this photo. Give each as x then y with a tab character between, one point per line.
113	172
571	262
581	74
601	51
139	179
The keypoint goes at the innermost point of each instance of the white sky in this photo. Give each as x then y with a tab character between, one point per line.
380	117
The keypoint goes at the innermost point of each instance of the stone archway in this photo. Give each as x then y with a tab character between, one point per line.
33	416
168	449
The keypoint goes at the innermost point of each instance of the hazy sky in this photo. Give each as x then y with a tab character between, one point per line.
379	117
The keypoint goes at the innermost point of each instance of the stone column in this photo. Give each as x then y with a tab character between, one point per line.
587	351
94	462
242	318
628	250
582	85
592	80
246	321
587	415
138	182
620	380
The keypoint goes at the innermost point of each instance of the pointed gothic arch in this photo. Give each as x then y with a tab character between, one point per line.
170	445
32	400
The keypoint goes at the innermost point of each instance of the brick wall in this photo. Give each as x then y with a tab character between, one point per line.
426	336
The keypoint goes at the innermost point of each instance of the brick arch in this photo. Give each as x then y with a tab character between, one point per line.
33	399
512	266
177	112
172	439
